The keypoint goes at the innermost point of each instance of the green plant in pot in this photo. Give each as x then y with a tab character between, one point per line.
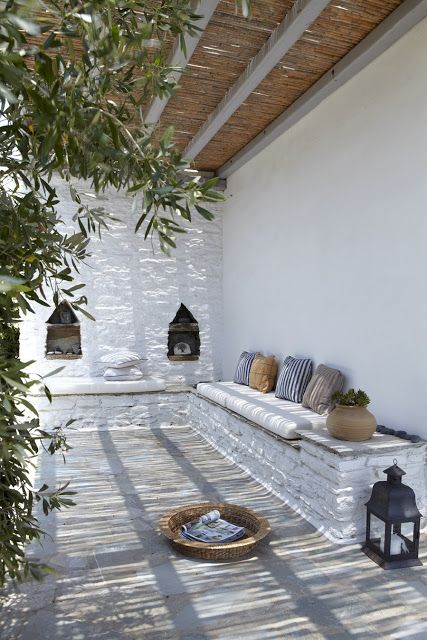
351	420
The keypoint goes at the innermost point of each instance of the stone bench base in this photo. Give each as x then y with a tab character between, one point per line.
115	411
326	480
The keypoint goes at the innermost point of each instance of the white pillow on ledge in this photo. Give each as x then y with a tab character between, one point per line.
123	373
121	359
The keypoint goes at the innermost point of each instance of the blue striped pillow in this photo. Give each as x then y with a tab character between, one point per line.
293	378
243	367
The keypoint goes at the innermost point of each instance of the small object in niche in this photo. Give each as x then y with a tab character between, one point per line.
69	352
182	349
76	349
58	351
50	353
65	316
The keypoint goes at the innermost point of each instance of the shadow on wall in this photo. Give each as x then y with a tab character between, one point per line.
191	276
111	295
134	291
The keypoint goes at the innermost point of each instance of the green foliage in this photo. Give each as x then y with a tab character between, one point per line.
75	101
351	398
9	340
74	79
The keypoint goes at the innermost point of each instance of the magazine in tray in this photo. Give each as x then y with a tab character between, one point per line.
211	528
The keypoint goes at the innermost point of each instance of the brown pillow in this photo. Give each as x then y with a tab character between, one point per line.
263	373
318	395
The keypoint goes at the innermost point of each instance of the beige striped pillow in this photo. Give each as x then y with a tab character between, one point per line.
318	395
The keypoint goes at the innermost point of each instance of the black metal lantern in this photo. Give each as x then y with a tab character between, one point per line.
392	523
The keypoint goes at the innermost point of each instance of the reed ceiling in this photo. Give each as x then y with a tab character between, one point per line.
229	44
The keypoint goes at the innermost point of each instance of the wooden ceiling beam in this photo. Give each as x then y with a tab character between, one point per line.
399	22
297	20
178	58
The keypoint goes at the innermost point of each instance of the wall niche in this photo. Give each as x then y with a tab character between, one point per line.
63	340
184	338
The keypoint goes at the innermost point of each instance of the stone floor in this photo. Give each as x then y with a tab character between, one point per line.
118	579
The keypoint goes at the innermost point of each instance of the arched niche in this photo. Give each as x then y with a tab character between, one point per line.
63	339
184	338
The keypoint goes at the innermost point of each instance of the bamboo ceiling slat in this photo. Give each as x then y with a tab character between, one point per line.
339	28
47	20
226	48
228	45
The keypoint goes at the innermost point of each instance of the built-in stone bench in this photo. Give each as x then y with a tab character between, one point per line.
324	479
95	403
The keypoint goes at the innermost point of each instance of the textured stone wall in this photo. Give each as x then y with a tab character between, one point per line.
327	489
337	486
105	412
134	291
326	481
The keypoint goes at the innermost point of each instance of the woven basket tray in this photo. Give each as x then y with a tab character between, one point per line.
256	527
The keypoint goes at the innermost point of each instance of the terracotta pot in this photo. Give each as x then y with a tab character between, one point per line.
351	423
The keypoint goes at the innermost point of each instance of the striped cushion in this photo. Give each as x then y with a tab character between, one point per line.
293	378
120	359
243	367
322	385
123	373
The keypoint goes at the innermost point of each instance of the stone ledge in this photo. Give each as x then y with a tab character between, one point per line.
96	385
379	444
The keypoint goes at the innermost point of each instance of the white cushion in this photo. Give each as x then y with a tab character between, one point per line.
67	386
120	359
123	373
214	391
281	417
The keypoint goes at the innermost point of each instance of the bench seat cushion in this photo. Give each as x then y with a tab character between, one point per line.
281	417
66	386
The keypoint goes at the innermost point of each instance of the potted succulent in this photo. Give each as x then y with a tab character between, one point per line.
350	420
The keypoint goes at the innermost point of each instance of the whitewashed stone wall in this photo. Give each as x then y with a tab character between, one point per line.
108	411
325	480
134	291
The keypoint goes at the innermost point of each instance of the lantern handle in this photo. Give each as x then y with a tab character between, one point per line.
395	461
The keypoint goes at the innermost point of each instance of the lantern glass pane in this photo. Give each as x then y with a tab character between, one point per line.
402	539
377	532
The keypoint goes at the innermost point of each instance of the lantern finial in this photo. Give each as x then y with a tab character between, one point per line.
394	473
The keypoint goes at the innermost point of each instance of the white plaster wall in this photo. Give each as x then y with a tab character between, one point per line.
325	238
134	291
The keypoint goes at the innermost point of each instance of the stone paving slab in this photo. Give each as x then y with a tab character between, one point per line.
118	578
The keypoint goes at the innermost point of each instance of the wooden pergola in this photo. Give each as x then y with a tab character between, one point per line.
251	79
